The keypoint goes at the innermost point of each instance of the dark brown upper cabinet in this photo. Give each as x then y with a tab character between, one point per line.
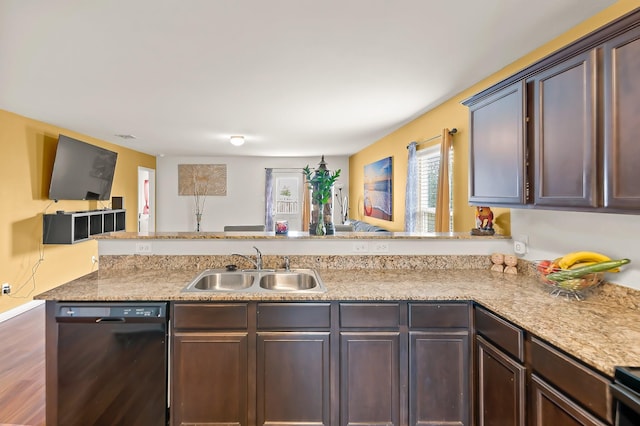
497	149
622	121
563	120
562	133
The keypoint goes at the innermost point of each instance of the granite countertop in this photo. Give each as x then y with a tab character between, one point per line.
603	331
296	235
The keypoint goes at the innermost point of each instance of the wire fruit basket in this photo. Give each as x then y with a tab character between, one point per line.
574	287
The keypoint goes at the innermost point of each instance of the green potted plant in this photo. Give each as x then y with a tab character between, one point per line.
320	183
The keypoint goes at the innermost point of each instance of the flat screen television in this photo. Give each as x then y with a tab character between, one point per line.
81	171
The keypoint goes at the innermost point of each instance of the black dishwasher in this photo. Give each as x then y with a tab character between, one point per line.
626	396
111	364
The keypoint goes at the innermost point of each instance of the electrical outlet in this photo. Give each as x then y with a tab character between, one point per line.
143	248
6	288
380	247
520	244
519	247
360	247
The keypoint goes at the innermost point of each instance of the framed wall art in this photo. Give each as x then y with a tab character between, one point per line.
378	189
202	179
287	195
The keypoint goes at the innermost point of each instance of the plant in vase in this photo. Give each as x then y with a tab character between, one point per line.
320	183
200	187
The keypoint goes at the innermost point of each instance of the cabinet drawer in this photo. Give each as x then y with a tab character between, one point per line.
435	315
365	315
201	316
582	384
503	334
293	315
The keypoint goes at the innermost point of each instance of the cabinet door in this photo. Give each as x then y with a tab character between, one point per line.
497	155
564	120
439	378
209	379
369	378
501	387
621	123
293	378
588	388
550	407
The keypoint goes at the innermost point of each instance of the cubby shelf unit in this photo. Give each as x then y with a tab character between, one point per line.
75	227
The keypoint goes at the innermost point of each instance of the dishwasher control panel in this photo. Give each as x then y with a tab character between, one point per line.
110	310
135	311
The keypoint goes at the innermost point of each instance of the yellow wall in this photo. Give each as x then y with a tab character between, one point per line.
27	150
452	114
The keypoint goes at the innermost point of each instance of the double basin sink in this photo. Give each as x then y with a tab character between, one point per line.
257	281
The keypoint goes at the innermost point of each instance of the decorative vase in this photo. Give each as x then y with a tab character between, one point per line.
321	219
320	228
198	219
320	183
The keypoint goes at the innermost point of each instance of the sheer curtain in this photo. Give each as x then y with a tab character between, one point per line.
268	197
411	200
442	204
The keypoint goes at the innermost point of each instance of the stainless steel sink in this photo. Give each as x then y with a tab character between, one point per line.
252	281
288	281
224	281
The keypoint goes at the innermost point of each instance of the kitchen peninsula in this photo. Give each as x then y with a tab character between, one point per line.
403	305
297	235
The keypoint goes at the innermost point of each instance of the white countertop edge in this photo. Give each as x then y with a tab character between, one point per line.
360	247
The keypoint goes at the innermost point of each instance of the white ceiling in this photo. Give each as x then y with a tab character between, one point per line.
296	77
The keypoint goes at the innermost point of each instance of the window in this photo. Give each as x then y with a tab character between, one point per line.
428	168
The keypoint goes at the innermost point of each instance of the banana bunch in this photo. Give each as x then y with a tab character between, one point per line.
579	259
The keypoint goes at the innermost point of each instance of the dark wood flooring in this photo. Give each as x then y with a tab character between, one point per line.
22	370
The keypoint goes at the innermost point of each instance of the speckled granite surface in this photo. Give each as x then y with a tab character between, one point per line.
304	261
298	235
603	330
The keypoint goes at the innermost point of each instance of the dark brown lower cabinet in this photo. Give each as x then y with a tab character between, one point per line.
565	390
501	387
439	378
210	381
293	378
551	407
303	364
209	372
522	380
369	378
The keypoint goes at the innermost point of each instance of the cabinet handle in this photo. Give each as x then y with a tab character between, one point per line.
109	319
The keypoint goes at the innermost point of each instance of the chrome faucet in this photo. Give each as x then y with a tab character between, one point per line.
287	264
258	258
257	263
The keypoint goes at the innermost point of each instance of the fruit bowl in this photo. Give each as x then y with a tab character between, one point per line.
582	270
582	283
574	287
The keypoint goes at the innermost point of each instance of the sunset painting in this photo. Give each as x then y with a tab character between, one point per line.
378	189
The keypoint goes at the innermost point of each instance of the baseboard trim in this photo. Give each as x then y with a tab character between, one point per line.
4	316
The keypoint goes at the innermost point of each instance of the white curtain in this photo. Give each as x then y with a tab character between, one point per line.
268	203
411	201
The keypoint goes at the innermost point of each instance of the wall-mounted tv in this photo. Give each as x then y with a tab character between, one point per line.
81	171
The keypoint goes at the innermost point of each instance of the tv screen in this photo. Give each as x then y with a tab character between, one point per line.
81	171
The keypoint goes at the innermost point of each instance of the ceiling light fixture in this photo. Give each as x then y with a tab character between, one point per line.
125	136
236	140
